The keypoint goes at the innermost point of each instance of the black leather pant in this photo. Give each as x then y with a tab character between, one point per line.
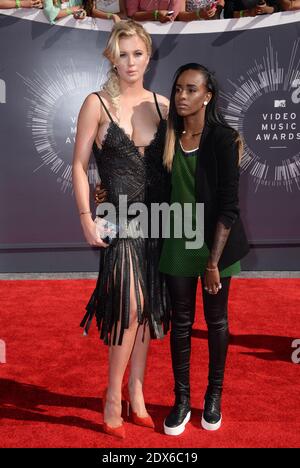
183	300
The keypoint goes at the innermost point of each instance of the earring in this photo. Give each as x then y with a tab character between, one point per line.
205	103
115	68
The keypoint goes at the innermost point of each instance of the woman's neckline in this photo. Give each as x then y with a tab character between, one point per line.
187	151
129	139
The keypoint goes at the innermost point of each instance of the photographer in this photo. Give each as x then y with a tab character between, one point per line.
56	9
243	8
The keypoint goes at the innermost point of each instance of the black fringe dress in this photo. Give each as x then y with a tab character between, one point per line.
123	170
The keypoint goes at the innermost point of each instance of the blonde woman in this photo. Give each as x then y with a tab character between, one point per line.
124	124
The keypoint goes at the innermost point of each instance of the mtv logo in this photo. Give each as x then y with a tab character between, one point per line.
279	103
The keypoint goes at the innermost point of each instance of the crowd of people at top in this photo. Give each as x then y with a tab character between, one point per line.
163	11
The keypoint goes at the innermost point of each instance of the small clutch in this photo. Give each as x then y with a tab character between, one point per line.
106	230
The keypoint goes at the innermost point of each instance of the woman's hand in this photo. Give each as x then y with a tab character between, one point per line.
263	10
208	13
100	194
212	283
211	12
79	14
163	16
115	18
90	232
32	4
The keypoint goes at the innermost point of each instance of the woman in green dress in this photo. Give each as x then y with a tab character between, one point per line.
202	153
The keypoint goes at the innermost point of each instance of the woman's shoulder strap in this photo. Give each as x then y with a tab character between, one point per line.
157	106
104	106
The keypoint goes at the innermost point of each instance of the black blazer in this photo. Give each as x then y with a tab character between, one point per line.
217	186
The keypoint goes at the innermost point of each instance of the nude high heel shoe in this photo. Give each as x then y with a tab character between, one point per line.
118	431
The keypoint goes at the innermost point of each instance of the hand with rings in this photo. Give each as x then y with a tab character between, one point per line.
218	286
212	282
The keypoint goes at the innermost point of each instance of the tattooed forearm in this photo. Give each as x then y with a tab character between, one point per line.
220	239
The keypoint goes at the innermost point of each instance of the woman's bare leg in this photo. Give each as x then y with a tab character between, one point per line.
118	359
137	371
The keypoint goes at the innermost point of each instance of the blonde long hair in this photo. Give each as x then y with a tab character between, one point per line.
121	29
212	115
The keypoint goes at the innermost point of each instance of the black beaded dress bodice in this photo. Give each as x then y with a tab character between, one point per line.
123	170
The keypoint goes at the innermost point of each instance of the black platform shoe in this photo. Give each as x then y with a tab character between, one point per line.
175	422
212	416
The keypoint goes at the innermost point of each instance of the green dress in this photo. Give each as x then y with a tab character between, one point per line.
175	258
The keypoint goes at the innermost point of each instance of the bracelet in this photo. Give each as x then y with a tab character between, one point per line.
69	11
241	13
109	15
155	14
85	212
211	269
198	13
18	3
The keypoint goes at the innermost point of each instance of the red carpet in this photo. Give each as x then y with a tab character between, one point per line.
52	382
